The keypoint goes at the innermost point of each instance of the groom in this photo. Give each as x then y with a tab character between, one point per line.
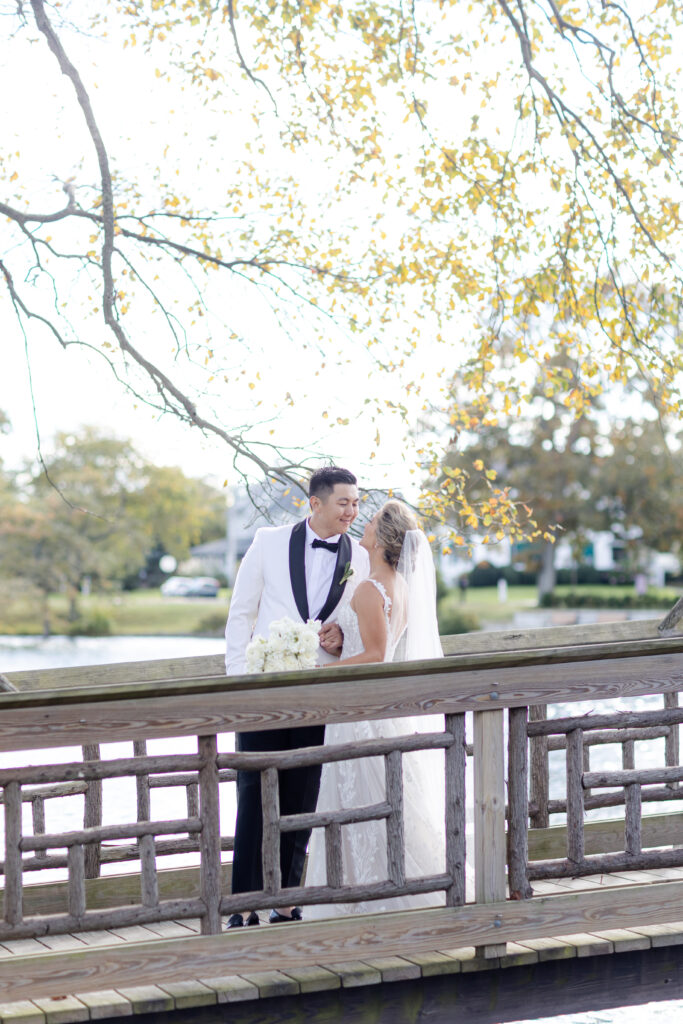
294	571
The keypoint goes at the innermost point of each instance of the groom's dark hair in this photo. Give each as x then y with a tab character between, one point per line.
323	480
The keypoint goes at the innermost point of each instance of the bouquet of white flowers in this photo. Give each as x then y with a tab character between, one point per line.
290	645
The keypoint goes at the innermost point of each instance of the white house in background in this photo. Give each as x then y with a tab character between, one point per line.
604	551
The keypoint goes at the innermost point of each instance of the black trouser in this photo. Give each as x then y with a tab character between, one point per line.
298	795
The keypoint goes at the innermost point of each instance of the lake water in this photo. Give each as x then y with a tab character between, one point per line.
119	797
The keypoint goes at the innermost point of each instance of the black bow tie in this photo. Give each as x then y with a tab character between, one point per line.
324	544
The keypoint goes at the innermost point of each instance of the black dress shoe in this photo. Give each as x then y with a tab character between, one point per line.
237	921
276	918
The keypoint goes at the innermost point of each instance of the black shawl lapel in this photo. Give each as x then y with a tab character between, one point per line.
297	568
337	587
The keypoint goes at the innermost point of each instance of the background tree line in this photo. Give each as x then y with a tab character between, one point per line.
97	510
609	470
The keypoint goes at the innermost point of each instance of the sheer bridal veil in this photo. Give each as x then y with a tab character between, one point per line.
420	637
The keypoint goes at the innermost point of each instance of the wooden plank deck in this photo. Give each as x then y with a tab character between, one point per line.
28	968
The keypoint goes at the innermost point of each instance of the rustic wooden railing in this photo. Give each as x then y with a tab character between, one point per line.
522	672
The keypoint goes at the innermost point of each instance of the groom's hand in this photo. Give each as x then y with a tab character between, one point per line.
331	638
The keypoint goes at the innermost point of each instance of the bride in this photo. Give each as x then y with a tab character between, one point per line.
391	615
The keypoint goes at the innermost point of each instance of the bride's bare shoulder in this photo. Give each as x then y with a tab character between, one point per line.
369	592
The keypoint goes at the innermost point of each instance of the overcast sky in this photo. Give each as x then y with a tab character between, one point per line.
75	388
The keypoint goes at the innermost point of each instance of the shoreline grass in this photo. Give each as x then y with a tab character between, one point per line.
148	613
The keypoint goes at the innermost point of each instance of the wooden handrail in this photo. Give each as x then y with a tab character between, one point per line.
561	642
202	706
356	693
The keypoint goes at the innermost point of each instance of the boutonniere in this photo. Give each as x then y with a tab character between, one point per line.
349	571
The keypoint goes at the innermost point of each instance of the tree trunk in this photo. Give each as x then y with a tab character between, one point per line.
73	614
46	617
546	574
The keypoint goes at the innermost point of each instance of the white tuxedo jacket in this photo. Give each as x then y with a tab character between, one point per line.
271	584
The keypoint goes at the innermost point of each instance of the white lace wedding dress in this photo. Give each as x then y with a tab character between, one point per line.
361	781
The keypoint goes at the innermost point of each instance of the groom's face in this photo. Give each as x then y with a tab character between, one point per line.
335	513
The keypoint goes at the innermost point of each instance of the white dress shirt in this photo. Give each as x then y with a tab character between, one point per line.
320	565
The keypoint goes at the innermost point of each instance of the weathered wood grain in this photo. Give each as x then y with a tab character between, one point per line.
92	813
655	794
632	830
304	757
604	863
149	885
210	838
520	639
313	894
114	769
38	819
154	671
102	920
13	878
118	890
672	742
628	777
575	847
606	836
489	813
455	768
342	939
270	800
442	686
672	619
396	856
540	776
518	803
616	735
76	902
333	856
166	670
105	832
347	816
615	719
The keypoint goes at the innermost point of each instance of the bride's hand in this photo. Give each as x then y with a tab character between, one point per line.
331	638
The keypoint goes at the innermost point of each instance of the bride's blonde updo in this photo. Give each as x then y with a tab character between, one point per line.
393	521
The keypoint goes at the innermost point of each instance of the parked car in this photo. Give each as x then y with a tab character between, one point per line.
190	586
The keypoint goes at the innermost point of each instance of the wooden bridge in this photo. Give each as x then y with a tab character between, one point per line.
550	900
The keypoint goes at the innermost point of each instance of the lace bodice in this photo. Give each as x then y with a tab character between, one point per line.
348	621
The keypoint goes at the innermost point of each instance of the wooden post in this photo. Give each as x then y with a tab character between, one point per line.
396	852
540	778
142	783
632	826
270	801
76	865
672	741
455	768
92	813
575	839
13	879
333	855
489	814
633	807
586	766
518	804
210	836
149	883
38	816
192	792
